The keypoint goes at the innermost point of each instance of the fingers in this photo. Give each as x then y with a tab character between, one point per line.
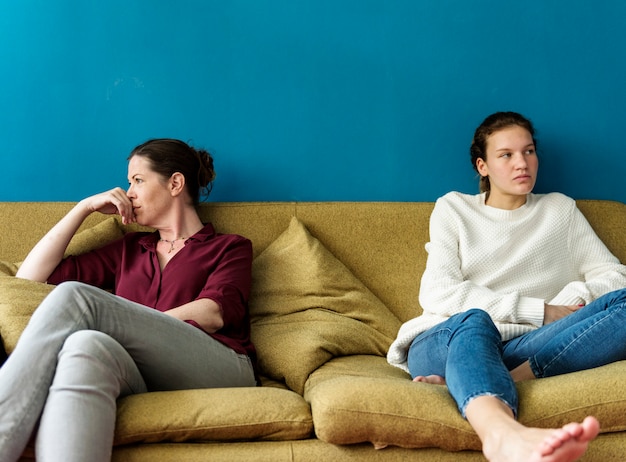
123	205
114	201
555	312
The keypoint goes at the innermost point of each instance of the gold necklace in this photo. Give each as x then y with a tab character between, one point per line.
171	243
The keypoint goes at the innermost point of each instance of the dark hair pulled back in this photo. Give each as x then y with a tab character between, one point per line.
493	123
168	156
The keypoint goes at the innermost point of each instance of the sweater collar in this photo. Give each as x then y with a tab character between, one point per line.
509	214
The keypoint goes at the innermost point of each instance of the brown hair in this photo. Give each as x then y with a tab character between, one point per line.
168	156
493	123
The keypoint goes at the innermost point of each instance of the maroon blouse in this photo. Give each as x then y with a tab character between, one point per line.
210	265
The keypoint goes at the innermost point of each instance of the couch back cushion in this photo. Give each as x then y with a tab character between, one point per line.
381	243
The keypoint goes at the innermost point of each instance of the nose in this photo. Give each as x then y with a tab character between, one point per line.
129	192
520	161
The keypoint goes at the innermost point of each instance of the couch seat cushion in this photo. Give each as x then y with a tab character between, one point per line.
363	399
307	307
220	414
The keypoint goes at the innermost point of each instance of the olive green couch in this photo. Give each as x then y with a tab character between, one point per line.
332	283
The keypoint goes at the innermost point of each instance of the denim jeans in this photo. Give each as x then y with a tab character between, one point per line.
84	348
468	352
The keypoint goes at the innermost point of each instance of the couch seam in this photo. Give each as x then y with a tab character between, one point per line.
204	427
405	417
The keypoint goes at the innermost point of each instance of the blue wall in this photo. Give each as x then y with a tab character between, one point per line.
309	99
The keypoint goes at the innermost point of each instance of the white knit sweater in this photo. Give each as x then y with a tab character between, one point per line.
508	263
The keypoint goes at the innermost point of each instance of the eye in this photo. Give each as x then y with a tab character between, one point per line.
505	154
530	152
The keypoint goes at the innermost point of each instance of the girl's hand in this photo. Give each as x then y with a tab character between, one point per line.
555	312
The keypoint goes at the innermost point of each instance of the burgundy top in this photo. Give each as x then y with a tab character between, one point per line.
210	265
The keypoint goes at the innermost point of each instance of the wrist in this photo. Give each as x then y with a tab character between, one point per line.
82	209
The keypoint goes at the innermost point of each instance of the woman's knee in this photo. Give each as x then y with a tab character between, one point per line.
93	356
65	294
70	290
70	300
90	342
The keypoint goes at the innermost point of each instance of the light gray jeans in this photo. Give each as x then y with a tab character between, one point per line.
84	348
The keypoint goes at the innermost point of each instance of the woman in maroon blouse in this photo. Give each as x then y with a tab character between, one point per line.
165	310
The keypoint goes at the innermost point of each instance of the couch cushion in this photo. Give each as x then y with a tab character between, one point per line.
88	239
221	414
364	399
20	297
95	237
8	268
307	307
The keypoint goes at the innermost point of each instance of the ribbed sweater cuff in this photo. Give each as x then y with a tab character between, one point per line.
530	311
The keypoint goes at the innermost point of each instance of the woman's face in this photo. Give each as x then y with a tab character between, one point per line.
148	192
511	165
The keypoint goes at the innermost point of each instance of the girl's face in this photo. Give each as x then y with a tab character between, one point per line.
511	165
148	192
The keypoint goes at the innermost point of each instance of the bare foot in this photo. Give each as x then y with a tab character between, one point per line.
432	379
516	443
582	434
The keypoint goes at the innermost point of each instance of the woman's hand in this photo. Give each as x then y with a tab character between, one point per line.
205	312
553	313
114	201
48	252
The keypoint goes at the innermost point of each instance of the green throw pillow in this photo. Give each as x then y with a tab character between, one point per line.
307	307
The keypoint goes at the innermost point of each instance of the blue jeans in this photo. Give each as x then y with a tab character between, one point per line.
468	352
84	348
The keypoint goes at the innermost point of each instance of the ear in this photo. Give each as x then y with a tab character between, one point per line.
481	167
177	183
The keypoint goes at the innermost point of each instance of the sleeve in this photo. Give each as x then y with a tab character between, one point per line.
599	271
97	267
445	290
229	283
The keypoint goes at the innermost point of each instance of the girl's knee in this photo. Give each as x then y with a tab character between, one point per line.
477	316
475	321
620	297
